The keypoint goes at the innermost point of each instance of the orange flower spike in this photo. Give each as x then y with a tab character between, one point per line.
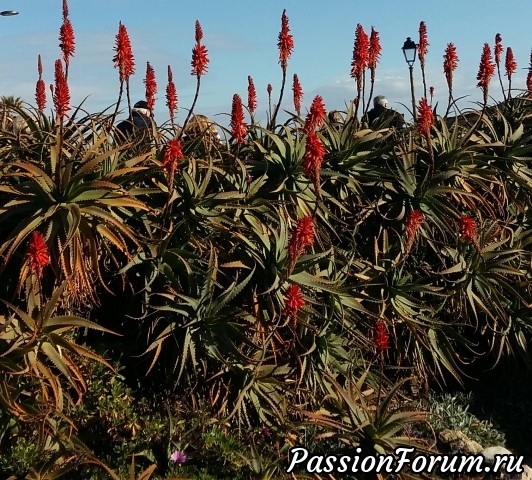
298	94
316	115
360	53
252	96
314	153
67	41
423	47
124	55
200	58
293	302
285	42
40	88
238	125
171	95
450	63
38	255
468	230
61	91
510	63
413	223
425	118
486	71
498	49
374	50
151	86
302	238
381	337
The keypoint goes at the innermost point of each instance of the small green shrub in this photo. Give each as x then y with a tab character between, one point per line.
451	411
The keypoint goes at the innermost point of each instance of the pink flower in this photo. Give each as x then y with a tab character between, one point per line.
178	457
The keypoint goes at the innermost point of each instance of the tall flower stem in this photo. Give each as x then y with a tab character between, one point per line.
274	116
198	83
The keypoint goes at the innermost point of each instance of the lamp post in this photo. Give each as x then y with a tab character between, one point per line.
409	51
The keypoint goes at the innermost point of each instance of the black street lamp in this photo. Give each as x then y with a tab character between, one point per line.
409	51
8	13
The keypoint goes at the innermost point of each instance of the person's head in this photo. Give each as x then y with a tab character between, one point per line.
380	101
142	107
200	125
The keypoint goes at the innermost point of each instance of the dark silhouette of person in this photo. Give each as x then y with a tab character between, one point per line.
382	116
138	125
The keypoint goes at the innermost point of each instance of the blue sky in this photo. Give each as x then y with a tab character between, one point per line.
241	37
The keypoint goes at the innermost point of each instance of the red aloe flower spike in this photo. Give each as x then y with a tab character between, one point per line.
61	91
198	32
171	95
498	49
360	61
510	66
269	88
65	9
510	63
200	58
413	223
298	94
468	230
450	63
302	238
423	47
67	41
425	118
293	302
316	115
374	51
252	96
314	153
485	72
40	94
172	155
124	55
529	78
238	125
360	53
285	43
431	93
151	86
381	337
40	88
38	255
